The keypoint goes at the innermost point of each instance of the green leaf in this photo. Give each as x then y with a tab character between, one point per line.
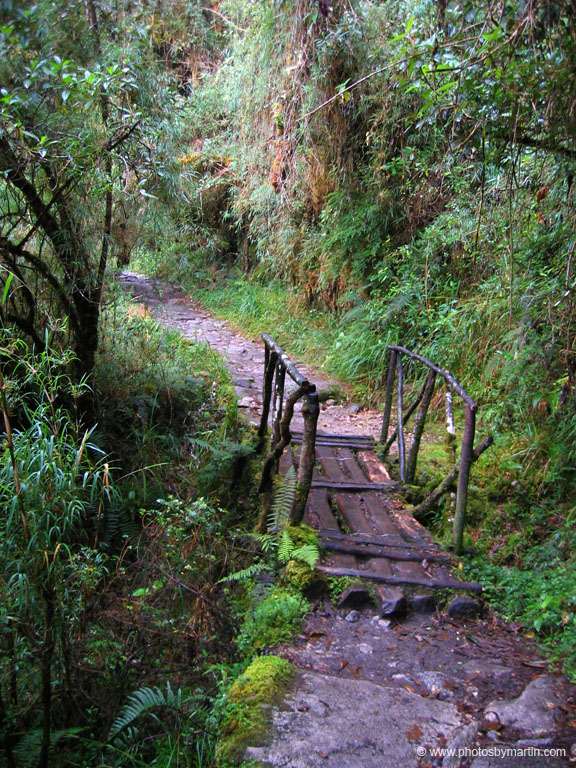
7	287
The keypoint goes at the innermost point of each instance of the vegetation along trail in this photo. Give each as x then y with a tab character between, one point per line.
452	687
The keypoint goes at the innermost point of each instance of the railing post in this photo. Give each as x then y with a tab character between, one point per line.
419	426
388	398
270	359
466	458
278	399
310	412
401	446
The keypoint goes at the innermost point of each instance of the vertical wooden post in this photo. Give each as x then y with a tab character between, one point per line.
270	359
466	458
401	446
310	412
278	398
388	398
419	426
450	428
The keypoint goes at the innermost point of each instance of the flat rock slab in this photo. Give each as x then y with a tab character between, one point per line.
345	723
518	761
533	712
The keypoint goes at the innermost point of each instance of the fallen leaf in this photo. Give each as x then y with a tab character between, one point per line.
414	733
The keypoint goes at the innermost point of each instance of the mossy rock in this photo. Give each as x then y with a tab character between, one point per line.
299	575
273	621
262	685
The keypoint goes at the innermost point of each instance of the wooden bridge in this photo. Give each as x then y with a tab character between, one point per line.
344	490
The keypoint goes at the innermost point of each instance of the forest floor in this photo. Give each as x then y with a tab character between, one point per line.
431	689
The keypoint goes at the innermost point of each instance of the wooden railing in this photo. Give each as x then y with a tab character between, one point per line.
407	463
278	408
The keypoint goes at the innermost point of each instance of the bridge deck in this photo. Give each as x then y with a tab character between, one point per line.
364	529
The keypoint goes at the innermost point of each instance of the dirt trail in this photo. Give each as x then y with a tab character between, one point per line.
374	693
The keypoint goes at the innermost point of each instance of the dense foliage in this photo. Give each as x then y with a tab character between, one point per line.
371	173
355	174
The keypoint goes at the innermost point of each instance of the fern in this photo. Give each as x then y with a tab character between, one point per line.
288	550
247	573
307	553
283	500
142	701
27	750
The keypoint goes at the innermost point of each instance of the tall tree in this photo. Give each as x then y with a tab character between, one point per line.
77	106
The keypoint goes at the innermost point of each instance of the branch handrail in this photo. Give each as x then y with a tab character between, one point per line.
276	365
468	454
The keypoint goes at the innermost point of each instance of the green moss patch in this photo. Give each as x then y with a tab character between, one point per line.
245	723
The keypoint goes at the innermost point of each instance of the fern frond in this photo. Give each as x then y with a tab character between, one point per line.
286	547
246	573
283	500
142	701
266	540
307	553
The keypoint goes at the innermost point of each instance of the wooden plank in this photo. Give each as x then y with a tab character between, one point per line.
338	465
357	445
373	468
335	437
394	540
432	583
367	550
378	510
353	511
319	513
350	486
390	539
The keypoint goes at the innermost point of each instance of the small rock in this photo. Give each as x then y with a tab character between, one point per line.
491	722
392	601
352	617
463	608
492	735
354	409
423	603
247	402
463	740
539	743
532	712
354	596
365	649
384	623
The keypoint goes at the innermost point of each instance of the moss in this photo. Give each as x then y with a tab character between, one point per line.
245	723
302	534
275	620
299	575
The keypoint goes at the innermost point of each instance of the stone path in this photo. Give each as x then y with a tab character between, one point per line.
379	693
